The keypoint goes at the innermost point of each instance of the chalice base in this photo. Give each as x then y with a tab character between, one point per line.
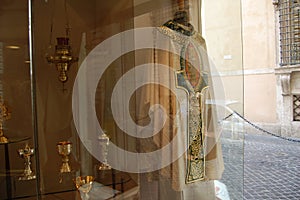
103	166
27	177
65	168
3	140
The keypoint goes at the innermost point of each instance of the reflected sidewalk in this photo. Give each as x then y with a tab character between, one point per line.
271	168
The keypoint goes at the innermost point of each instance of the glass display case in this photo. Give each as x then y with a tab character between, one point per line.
121	99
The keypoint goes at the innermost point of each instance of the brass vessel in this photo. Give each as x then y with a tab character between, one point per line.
26	153
64	149
62	58
84	184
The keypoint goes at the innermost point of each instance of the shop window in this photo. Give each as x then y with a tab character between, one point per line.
289	20
296	107
1	67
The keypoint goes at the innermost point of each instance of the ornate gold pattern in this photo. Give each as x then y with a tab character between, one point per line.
177	37
181	37
195	160
4	115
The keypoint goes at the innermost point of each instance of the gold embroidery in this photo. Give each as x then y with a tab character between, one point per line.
195	160
177	37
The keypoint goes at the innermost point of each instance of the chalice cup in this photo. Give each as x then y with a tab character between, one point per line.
84	184
64	149
26	153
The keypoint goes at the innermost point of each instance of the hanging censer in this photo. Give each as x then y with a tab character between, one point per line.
62	57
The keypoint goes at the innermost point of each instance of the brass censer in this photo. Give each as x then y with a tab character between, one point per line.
62	58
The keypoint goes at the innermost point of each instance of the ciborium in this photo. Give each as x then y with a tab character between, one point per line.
104	143
84	184
64	149
26	153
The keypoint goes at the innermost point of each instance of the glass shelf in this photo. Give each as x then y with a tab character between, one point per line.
16	140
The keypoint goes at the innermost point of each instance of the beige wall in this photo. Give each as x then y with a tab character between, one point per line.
241	40
258	34
259	54
223	34
260	98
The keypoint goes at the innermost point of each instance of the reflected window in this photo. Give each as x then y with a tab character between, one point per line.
289	20
296	107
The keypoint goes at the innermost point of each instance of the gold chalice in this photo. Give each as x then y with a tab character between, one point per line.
26	153
64	149
84	184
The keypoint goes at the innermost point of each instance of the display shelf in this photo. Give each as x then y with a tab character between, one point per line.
8	173
15	140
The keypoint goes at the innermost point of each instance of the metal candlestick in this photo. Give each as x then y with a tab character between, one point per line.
26	153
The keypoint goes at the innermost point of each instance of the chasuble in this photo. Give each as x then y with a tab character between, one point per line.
191	176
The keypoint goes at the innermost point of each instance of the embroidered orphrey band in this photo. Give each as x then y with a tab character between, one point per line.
193	83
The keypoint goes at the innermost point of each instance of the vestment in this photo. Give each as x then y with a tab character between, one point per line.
191	176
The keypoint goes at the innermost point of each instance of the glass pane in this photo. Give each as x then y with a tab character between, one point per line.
130	95
222	29
72	29
17	167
